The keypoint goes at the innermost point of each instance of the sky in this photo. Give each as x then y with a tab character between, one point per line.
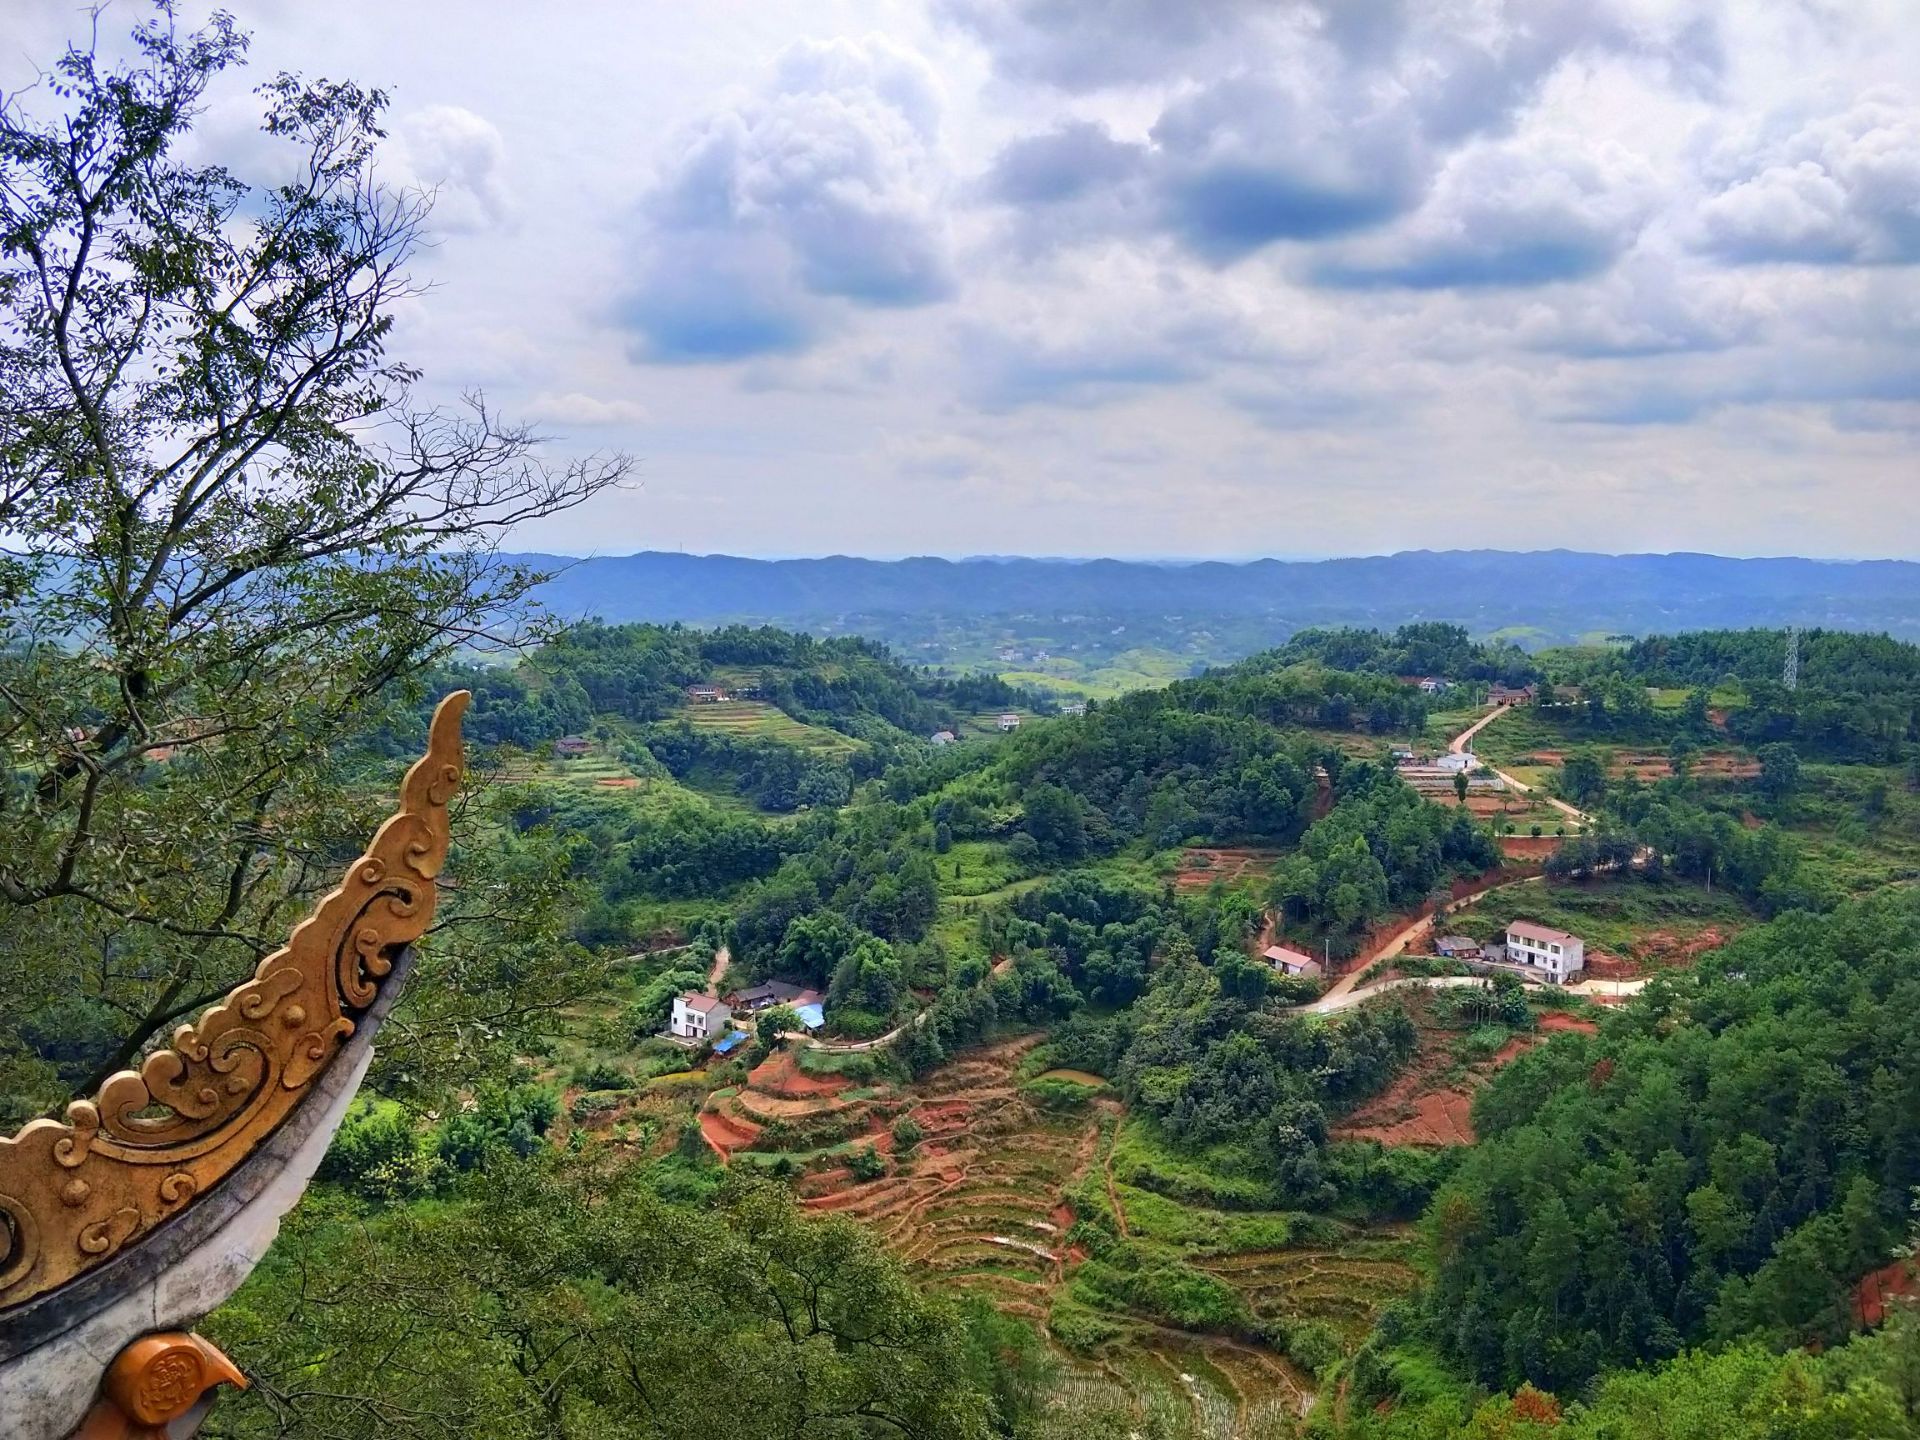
1145	279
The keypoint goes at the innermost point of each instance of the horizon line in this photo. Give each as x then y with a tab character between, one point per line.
977	558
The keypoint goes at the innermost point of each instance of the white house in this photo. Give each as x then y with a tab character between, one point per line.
1431	686
1074	707
944	737
699	1017
1556	954
1009	721
1291	962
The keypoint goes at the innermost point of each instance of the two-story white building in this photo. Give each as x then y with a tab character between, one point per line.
699	1017
1557	955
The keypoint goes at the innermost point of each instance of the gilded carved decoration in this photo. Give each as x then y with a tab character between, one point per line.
74	1193
154	1381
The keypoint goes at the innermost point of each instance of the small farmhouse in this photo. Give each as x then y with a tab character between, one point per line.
1433	686
1457	947
1557	955
572	747
944	737
706	694
768	994
1074	707
1293	963
1498	694
1009	721
699	1017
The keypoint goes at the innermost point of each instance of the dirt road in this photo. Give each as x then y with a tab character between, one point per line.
1347	990
1459	744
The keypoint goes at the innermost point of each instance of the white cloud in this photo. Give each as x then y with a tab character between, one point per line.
575	408
461	158
1840	188
1150	277
820	189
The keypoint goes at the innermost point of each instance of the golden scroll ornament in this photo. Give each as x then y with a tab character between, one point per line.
74	1193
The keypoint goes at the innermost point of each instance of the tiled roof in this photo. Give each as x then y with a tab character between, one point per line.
1529	930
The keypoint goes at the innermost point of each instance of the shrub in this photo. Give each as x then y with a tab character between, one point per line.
1053	1093
867	1163
906	1133
1313	1345
600	1075
859	1024
595	1103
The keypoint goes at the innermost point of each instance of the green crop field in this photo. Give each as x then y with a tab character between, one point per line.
757	720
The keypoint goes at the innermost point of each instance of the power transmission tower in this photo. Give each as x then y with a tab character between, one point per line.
1790	676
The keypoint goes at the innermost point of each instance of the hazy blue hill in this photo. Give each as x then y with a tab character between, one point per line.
1560	593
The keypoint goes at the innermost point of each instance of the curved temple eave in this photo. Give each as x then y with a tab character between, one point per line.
73	1193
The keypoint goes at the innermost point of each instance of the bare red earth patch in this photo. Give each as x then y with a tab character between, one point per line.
725	1134
1529	847
779	1074
1555	1021
1899	1280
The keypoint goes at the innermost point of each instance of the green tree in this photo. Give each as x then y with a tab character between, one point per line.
556	1299
1583	779
207	450
1779	771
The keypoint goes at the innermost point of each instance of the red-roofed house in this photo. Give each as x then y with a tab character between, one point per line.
699	1017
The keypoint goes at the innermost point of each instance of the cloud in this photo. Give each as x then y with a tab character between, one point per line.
1653	304
1009	368
819	191
1311	120
1250	160
1083	47
1843	188
1508	214
461	158
1061	164
575	408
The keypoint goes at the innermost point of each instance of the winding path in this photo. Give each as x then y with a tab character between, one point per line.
1347	991
1460	743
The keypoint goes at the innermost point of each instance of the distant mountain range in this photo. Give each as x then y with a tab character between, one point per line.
1556	594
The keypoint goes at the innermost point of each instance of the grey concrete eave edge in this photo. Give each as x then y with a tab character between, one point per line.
184	1268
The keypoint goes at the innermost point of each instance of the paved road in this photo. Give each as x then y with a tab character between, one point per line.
1330	1003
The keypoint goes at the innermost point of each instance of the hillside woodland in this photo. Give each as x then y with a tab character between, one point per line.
1100	1171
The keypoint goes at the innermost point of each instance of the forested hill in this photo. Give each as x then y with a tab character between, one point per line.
1560	593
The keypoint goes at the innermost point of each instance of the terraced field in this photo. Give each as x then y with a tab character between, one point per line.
1003	1196
757	720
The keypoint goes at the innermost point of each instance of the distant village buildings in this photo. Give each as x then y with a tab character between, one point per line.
572	747
1498	694
769	993
706	694
1074	707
